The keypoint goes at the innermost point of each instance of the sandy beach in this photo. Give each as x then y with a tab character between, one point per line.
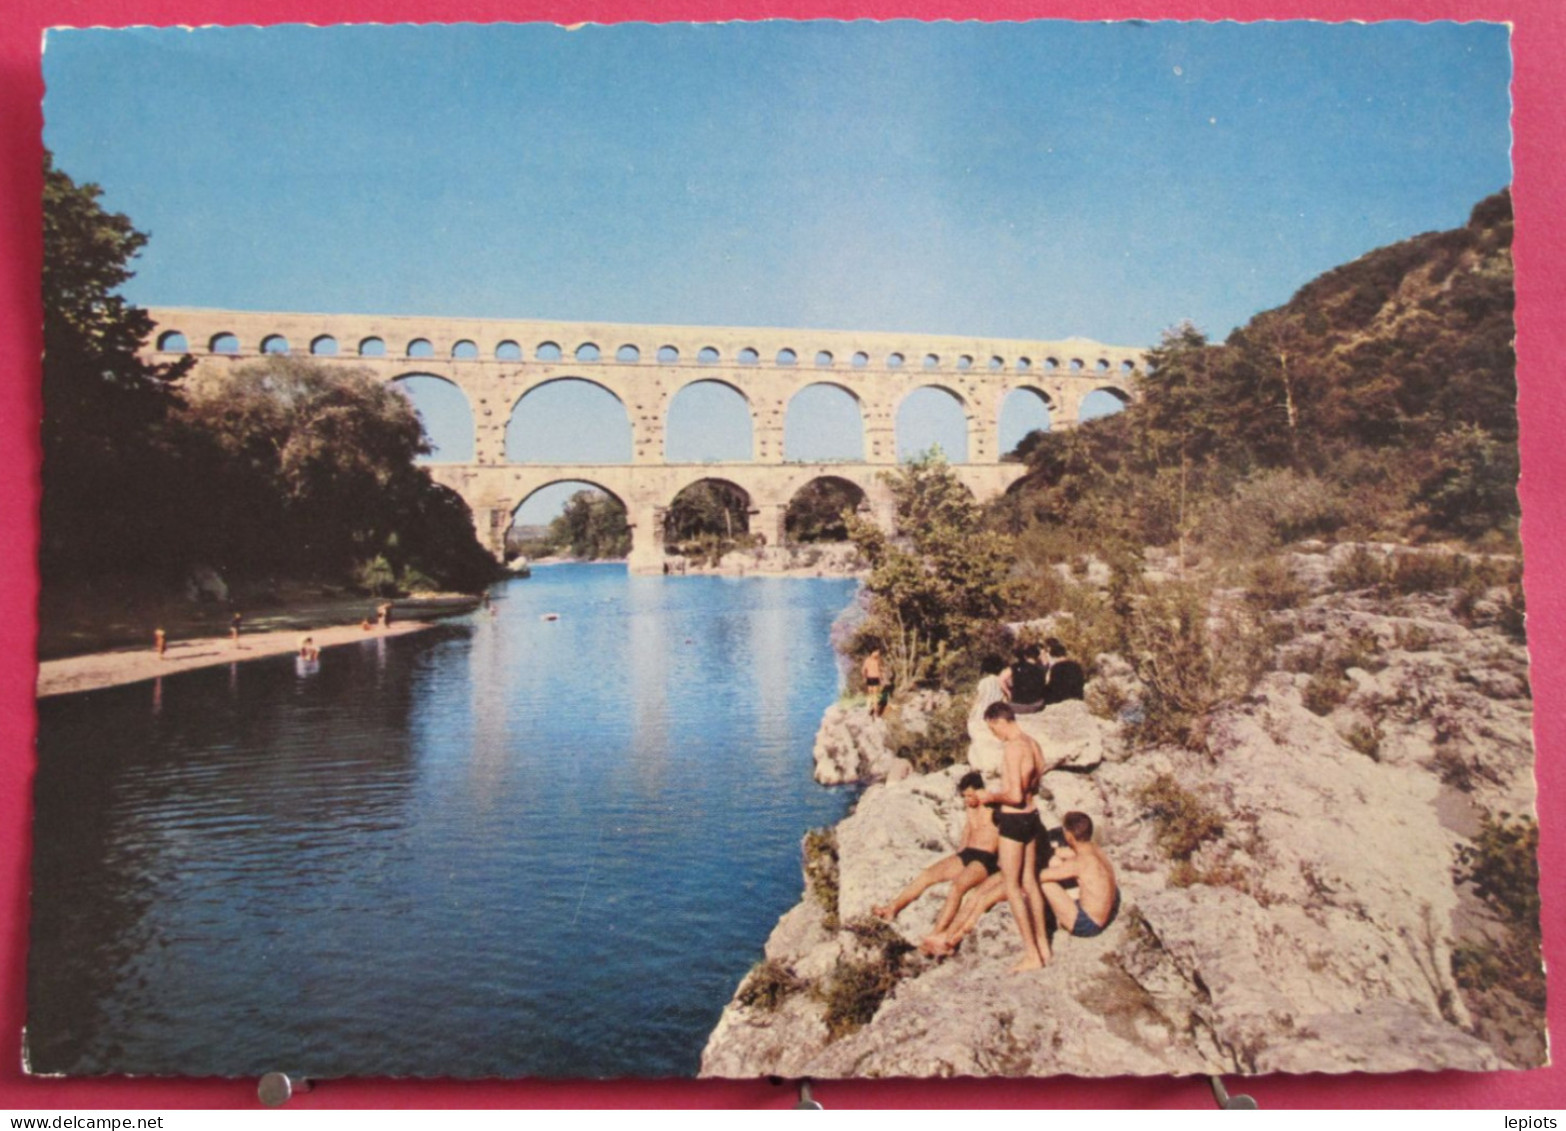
108	669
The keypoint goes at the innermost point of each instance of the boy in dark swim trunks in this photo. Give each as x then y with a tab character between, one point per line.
1094	904
972	864
1017	820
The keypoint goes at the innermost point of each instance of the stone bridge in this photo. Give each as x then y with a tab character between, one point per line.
496	363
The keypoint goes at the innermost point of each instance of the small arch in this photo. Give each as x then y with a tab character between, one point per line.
997	363
1024	364
1023	411
595	526
1128	366
708	355
708	422
823	422
224	342
587	351
668	355
895	361
1103	401
748	356
824	359
1076	365
860	360
372	347
274	343
568	420
932	361
547	351
787	356
172	341
1102	365
508	350
932	416
1051	363
465	350
445	413
421	348
628	354
815	513
707	508
965	362
324	346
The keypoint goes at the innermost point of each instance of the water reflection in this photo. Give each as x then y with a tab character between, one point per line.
574	836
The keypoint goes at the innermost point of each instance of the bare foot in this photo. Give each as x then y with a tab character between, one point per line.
938	946
884	911
1031	962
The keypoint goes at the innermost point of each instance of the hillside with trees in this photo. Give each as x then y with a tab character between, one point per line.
283	471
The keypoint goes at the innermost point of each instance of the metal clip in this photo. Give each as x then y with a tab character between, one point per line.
277	1088
806	1102
1226	1102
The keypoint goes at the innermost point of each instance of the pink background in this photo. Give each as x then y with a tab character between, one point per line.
1539	94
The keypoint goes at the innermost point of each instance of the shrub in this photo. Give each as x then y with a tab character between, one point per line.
377	577
943	741
857	986
1513	617
1275	507
1184	822
1273	586
1414	638
1429	573
821	871
1366	739
768	985
1362	569
1502	863
1325	691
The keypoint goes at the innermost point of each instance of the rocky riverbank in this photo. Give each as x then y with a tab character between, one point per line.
1289	894
816	559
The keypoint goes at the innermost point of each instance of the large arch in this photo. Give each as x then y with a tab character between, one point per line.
568	420
824	423
1025	409
1106	400
592	537
932	415
707	504
814	511
445	412
709	420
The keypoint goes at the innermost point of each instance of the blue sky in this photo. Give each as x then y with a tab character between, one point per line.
1041	179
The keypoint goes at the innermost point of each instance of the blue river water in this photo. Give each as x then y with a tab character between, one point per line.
513	847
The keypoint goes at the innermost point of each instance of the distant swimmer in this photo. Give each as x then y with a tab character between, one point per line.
160	641
383	614
235	622
307	649
973	862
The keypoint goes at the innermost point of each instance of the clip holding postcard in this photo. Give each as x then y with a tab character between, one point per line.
807	1102
277	1088
1226	1102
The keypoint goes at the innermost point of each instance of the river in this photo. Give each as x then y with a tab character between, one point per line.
513	847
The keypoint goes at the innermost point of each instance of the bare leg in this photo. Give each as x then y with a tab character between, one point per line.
986	896
1030	884
942	871
972	876
1063	903
1012	856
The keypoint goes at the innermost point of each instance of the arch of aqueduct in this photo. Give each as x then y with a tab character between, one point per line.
495	363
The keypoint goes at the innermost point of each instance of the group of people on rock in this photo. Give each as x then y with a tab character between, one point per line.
1006	853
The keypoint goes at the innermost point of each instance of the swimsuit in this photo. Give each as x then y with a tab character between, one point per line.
979	856
1021	827
1085	928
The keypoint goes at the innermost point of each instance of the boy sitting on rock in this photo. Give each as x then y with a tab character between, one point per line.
973	863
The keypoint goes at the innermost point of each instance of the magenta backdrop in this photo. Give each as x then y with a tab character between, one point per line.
1539	93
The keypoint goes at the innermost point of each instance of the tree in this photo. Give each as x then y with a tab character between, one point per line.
109	476
709	507
592	526
819	512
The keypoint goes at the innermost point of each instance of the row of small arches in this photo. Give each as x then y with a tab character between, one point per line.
326	345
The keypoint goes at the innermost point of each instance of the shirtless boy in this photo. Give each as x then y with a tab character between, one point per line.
1094	904
1017	818
973	863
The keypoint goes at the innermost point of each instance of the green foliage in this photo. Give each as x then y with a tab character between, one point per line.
377	577
1366	739
707	507
1502	863
1183	820
1273	586
1362	569
1473	482
858	984
937	588
942	742
821	871
592	526
768	985
1325	691
819	511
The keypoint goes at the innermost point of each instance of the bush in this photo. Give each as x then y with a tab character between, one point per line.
1366	739
1325	691
943	741
821	871
1429	573
768	985
1184	822
1502	863
1415	638
857	986
377	577
1273	508
1273	586
1362	569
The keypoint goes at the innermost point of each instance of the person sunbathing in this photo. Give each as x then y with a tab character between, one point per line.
974	862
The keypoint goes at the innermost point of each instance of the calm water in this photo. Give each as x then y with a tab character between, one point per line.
510	848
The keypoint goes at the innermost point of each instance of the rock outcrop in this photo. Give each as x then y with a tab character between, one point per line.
1314	933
